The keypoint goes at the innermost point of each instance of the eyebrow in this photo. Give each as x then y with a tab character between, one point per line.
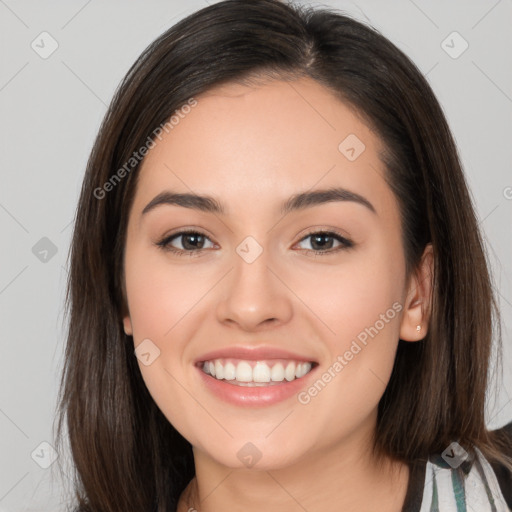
296	202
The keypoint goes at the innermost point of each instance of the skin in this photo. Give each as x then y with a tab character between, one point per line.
252	148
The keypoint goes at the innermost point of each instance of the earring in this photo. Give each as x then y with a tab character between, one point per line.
418	328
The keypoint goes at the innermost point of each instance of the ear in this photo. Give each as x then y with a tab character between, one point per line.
417	307
127	324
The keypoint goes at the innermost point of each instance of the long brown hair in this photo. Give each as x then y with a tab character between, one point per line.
126	454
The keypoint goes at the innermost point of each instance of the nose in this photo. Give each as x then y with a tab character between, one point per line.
254	294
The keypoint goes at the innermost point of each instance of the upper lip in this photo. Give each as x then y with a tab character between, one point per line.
253	354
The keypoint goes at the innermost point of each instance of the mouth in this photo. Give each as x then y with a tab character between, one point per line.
249	373
253	383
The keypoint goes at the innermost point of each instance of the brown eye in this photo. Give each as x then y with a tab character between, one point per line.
323	242
191	241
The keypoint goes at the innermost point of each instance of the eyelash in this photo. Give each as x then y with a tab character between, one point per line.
164	244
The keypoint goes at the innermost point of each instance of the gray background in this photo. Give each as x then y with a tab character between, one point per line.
51	110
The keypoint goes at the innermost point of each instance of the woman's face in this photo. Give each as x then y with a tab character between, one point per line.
253	276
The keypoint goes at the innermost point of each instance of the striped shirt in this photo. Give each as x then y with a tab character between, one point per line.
459	482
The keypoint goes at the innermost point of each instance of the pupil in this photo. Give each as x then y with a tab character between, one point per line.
316	239
186	245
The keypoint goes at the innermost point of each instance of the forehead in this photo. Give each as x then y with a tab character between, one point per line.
266	141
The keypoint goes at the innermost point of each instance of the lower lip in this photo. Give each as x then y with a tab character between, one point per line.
254	396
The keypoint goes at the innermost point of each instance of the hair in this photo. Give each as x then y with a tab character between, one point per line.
126	454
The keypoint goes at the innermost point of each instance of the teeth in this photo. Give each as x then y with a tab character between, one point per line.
277	373
289	373
244	372
219	370
257	372
261	372
229	371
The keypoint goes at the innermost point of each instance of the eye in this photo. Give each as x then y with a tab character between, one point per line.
322	242
191	242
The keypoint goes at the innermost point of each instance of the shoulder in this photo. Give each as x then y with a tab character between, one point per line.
503	474
456	480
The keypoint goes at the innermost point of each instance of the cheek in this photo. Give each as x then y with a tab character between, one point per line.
160	294
358	308
351	297
159	297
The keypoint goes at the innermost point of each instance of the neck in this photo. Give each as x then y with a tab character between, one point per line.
342	477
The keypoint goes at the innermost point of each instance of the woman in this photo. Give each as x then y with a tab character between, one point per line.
278	294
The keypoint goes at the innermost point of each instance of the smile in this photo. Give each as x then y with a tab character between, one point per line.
255	383
254	373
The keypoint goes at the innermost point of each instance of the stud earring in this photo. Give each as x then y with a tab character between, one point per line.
418	328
